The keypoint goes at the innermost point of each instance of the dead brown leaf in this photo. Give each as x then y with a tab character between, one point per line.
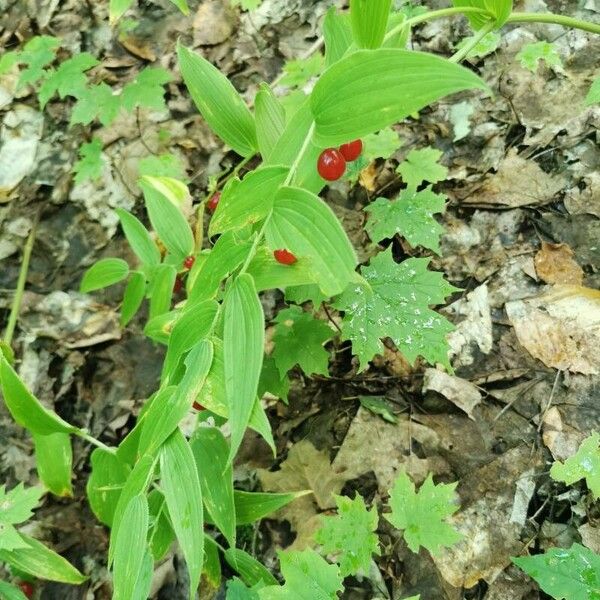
460	392
554	263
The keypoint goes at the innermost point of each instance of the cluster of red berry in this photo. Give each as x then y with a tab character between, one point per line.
332	163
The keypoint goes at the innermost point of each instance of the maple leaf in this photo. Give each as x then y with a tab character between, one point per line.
422	165
410	215
381	144
37	53
420	515
350	536
460	115
310	292
96	101
68	80
10	538
488	44
17	505
247	4
90	163
584	464
593	95
307	577
272	382
572	574
146	89
299	339
297	73
531	54
393	301
164	165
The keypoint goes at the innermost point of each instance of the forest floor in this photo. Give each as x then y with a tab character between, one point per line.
522	242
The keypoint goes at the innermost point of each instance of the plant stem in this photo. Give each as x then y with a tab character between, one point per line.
464	51
18	297
554	19
83	434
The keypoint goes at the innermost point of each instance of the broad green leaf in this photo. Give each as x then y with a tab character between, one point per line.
168	409
104	485
410	215
135	292
54	461
499	11
146	89
252	506
269	274
96	101
161	292
90	163
16	505
25	408
236	590
243	347
369	90
381	144
350	536
394	301
182	6
39	561
593	95
9	592
303	224
307	577
158	329
270	120
584	464
369	20
38	52
161	532
421	515
107	271
143	583
130	548
530	55
181	487
251	571
337	32
117	8
422	165
248	201
299	339
218	102
139	238
164	198
572	574
211	452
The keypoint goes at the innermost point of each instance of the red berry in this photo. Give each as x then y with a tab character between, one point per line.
197	406
178	286
331	164
352	150
285	257
27	588
213	202
188	263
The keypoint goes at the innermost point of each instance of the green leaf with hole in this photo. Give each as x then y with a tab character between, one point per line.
181	487
107	271
139	238
387	84
218	102
369	20
270	120
54	462
135	292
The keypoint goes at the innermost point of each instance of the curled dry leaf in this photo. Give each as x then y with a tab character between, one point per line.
554	263
460	392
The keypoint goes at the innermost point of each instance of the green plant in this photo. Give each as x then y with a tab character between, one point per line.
272	231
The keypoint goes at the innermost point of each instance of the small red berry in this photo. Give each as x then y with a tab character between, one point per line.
285	257
188	263
213	202
27	588
178	286
331	164
197	406
352	150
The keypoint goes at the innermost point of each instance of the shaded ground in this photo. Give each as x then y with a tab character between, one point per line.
524	190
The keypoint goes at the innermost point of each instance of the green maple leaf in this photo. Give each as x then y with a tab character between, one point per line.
146	89
410	215
531	54
297	73
422	165
584	464
350	535
299	339
488	44
460	115
10	538
381	144
394	302
90	163
593	96
96	101
17	505
272	382
37	53
307	577
572	574
8	60
68	80
236	590
420	515
164	165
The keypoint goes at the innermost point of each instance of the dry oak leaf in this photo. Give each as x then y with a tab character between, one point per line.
554	263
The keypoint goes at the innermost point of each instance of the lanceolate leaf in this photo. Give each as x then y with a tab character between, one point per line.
370	90
337	32
139	239
369	21
130	548
218	102
39	561
251	571
303	224
180	484
161	293
211	452
105	272
252	506
181	5
133	296
161	533
9	592
243	345
270	120
54	460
